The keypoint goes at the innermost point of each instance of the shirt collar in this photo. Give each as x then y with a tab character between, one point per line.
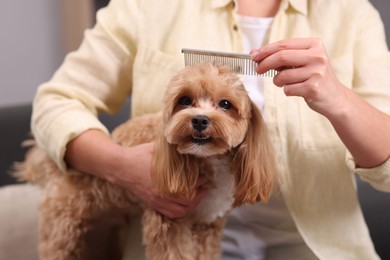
220	3
299	5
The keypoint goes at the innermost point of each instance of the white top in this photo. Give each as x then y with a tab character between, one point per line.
254	32
261	231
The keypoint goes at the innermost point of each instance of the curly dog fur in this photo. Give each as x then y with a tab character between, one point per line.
208	127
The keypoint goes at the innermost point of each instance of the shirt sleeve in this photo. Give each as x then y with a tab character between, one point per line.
372	60
95	78
371	81
378	177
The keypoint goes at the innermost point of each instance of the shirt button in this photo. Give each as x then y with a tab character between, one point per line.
235	27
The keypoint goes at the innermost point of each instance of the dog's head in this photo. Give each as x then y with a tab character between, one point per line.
208	112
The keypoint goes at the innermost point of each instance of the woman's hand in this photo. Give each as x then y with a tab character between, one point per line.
95	153
136	177
304	70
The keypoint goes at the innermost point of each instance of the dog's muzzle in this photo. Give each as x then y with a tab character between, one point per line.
200	123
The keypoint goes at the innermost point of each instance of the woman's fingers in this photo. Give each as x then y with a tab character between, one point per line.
174	208
304	70
287	44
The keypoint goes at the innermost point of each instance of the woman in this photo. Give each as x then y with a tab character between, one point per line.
325	110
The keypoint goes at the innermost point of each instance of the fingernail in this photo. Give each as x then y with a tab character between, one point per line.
254	53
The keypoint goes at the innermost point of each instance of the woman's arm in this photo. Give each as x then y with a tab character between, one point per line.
95	78
98	78
95	153
364	130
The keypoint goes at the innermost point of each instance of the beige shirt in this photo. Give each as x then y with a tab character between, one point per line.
261	231
136	47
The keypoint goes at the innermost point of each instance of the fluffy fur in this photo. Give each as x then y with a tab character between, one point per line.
208	127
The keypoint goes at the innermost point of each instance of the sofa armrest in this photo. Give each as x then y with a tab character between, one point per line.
14	129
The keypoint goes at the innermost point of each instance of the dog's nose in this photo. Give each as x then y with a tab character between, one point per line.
200	122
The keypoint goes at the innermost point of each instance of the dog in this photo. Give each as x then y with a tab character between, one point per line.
208	127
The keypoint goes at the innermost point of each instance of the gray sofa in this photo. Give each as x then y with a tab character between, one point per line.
14	128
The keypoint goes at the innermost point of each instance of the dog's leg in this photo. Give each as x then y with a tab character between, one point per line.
71	208
61	230
207	239
165	239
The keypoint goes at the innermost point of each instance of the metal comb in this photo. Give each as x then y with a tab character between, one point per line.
239	63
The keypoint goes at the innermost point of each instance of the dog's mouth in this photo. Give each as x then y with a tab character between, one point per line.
201	139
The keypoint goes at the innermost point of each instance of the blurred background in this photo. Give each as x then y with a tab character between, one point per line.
35	36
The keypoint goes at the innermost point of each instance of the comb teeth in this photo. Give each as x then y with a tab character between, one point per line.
238	63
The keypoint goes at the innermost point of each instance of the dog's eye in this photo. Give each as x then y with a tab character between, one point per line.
225	104
185	101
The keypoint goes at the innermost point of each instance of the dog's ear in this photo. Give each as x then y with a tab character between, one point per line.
174	174
254	164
